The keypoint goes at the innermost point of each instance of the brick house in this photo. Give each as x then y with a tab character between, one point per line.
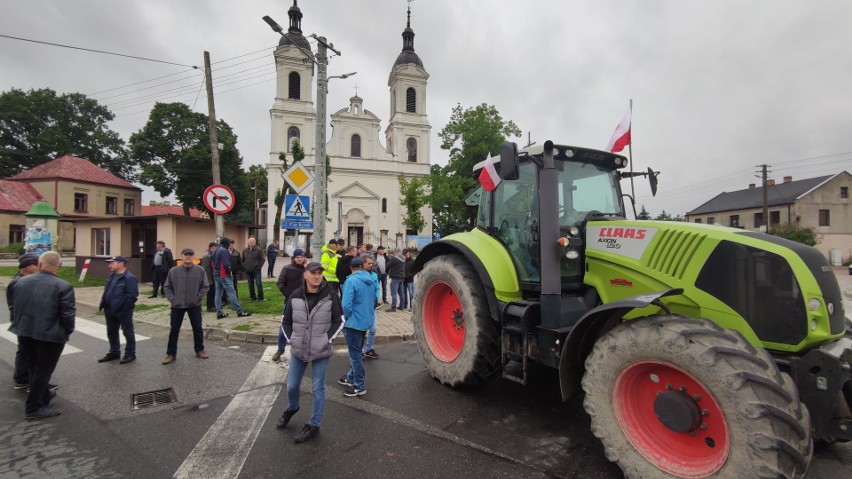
15	200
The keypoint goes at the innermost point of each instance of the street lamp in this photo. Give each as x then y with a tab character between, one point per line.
321	61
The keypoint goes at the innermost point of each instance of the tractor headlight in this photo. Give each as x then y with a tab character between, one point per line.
574	231
813	304
572	254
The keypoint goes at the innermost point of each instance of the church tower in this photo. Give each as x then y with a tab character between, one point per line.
407	134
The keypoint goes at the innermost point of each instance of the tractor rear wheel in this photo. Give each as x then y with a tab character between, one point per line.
671	396
457	337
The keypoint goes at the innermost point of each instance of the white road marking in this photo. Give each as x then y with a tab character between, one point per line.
14	339
223	450
98	330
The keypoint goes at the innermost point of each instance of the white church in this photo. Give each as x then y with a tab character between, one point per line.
364	203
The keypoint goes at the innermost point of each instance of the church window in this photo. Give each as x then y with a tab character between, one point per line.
384	205
292	135
412	149
410	100
295	86
356	145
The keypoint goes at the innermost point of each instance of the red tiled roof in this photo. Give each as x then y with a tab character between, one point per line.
17	197
175	210
75	169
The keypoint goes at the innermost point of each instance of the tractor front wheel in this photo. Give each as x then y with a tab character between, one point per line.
459	341
671	396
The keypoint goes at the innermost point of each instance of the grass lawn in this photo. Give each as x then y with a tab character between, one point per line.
274	303
68	273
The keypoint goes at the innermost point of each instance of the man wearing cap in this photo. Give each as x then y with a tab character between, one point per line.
43	318
359	299
27	265
186	286
253	261
163	261
312	319
118	300
291	277
223	278
328	261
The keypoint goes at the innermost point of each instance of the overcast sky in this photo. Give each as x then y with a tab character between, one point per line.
718	86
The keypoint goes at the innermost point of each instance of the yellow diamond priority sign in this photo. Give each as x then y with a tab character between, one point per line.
298	177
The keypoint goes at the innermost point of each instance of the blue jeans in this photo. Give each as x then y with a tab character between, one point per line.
383	279
282	340
371	338
177	321
226	285
123	320
255	279
396	292
270	261
319	367
408	292
355	341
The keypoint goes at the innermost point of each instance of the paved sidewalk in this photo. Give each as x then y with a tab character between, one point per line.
257	328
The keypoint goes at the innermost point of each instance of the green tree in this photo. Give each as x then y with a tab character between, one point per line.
173	151
470	136
257	180
413	198
663	216
38	126
643	214
794	232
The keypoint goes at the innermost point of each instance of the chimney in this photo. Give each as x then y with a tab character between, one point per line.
750	186
788	179
168	203
770	182
152	203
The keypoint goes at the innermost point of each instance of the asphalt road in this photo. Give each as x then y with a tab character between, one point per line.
223	423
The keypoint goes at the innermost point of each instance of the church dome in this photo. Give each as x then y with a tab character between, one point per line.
294	33
408	55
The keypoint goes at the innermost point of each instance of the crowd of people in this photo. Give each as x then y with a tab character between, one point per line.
338	294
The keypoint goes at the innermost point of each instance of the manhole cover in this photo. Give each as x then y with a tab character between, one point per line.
152	398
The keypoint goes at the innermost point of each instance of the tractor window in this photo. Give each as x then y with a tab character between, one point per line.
515	216
583	188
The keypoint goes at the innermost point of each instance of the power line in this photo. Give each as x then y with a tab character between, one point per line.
97	51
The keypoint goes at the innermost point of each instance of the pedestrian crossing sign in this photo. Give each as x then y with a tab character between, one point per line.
297	208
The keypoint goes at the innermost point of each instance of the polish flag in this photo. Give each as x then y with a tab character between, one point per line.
621	135
488	176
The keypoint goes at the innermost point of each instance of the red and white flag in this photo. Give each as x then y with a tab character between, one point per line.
621	135
488	176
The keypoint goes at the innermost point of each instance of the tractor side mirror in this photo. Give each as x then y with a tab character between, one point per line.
509	161
652	178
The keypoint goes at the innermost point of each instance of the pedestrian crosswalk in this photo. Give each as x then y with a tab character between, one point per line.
88	327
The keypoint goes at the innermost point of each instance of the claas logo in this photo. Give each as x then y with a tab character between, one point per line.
633	233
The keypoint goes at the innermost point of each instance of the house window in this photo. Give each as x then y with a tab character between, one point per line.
292	135
824	218
774	218
844	192
81	202
100	242
411	146
711	220
735	221
356	145
129	207
111	205
410	100
295	84
758	220
16	233
384	205
698	220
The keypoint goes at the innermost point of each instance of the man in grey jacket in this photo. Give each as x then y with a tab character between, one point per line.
186	286
43	318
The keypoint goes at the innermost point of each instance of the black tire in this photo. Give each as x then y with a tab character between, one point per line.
457	337
768	429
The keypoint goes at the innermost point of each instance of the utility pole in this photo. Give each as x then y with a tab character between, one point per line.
214	141
318	238
765	225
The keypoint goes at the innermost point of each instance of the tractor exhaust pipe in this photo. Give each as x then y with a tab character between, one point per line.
551	286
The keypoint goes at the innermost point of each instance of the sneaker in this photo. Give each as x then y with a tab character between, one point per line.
306	434
352	391
223	315
277	356
371	354
19	386
345	381
152	296
244	314
43	412
52	387
285	418
392	310
211	310
378	305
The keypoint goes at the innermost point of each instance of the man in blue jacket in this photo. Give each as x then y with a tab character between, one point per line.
223	279
359	300
118	301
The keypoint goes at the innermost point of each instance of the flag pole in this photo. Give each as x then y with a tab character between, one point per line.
630	157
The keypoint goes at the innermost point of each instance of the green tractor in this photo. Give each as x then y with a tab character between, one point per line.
703	351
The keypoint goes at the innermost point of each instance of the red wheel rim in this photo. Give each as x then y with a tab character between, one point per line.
443	321
694	454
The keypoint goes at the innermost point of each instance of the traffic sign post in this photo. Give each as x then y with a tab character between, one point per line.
219	199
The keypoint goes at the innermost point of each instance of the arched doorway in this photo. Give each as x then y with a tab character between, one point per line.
354	226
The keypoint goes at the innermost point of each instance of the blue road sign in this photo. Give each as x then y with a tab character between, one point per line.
297	225
297	208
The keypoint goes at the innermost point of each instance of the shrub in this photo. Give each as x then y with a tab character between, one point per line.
794	232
